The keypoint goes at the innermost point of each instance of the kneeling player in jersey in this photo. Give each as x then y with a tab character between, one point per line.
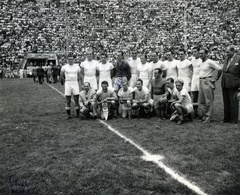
88	102
106	99
142	103
183	105
125	100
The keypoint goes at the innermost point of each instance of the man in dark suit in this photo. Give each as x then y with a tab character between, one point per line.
230	84
121	70
55	73
40	74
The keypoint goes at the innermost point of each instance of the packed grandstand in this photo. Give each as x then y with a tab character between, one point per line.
56	26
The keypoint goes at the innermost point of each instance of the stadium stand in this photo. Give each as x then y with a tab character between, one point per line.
110	25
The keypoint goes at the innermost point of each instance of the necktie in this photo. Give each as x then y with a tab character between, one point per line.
229	61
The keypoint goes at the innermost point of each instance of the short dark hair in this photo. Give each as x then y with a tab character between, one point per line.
70	54
104	83
159	70
122	53
182	50
74	55
169	50
87	83
143	55
231	48
196	47
104	54
140	81
204	49
170	79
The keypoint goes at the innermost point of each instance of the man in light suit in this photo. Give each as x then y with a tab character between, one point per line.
207	85
230	84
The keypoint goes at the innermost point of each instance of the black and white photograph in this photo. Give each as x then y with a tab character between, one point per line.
119	97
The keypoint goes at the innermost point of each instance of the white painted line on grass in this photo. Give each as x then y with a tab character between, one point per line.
125	138
151	158
55	89
157	160
180	178
147	156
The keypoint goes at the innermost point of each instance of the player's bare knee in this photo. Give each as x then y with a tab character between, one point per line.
177	105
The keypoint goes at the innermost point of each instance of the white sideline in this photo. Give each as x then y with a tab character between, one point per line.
150	157
55	89
156	159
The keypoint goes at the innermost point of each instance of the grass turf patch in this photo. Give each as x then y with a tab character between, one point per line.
56	156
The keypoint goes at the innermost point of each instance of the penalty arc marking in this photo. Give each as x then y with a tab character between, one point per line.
152	158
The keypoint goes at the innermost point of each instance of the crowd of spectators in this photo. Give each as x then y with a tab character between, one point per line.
109	25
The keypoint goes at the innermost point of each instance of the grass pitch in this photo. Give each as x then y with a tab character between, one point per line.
41	153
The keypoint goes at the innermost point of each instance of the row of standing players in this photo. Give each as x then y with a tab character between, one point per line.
140	86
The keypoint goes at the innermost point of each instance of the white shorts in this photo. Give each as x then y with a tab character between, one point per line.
92	81
157	100
195	83
71	87
189	109
145	82
187	83
126	106
133	81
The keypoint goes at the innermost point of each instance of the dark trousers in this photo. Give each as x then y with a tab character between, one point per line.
40	79
55	78
231	105
34	79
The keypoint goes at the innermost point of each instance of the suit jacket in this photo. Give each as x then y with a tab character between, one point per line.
122	70
231	73
40	71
